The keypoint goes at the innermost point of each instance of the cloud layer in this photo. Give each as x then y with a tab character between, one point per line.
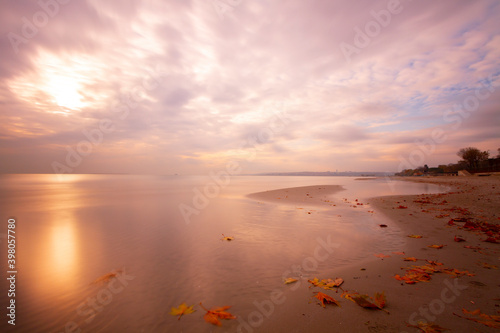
185	86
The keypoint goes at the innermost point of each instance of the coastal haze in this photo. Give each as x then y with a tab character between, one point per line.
184	87
74	230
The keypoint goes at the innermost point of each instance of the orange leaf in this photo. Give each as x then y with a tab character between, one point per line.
488	266
436	246
324	298
327	284
107	277
476	315
290	280
410	259
415	236
365	301
212	316
228	238
399	253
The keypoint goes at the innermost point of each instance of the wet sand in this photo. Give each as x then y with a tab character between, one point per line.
475	199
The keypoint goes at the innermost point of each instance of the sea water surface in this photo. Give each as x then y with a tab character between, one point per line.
162	235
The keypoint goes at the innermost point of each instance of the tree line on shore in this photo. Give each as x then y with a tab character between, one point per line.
472	159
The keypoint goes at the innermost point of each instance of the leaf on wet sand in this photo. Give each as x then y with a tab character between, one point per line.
482	318
213	315
324	298
107	277
381	255
182	310
228	238
436	246
488	266
365	301
327	284
415	236
290	280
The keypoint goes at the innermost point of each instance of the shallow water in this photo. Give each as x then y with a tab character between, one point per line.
72	229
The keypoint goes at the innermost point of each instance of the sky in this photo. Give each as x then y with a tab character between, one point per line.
202	86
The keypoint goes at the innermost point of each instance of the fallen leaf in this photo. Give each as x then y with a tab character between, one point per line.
324	298
456	273
380	255
399	253
365	301
436	246
488	266
402	207
327	284
458	239
428	327
490	240
476	315
415	236
434	263
290	280
228	238
410	259
107	277
182	310
212	316
413	276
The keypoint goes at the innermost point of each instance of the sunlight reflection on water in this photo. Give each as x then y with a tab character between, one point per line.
75	229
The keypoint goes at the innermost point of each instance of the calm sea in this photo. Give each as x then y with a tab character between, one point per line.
73	229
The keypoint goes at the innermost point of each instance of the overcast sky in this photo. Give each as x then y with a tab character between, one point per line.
185	87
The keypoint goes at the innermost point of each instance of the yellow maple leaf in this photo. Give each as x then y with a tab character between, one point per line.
290	280
182	310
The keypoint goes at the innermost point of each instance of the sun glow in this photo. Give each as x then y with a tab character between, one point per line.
64	91
59	83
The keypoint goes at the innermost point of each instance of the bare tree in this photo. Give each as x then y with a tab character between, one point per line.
473	156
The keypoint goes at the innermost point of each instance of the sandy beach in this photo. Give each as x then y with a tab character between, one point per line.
461	270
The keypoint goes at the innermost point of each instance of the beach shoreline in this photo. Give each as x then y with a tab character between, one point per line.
475	199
